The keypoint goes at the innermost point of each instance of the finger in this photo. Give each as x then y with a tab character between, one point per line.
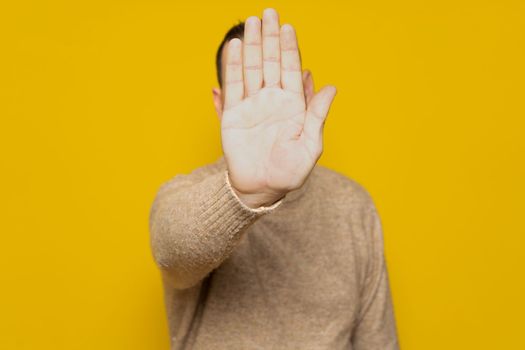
291	72
308	84
315	117
234	85
252	51
271	51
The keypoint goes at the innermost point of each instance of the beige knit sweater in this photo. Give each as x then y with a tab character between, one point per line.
307	272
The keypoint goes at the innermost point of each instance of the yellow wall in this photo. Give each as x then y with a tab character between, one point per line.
102	101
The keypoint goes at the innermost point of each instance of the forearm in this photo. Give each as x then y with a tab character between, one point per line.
195	225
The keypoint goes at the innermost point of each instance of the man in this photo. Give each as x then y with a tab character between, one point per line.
264	249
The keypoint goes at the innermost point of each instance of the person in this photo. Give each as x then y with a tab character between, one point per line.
263	248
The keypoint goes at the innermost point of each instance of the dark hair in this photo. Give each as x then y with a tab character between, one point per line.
237	31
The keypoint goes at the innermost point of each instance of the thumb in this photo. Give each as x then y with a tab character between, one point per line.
317	112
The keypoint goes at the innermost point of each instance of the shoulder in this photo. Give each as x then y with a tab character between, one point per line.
336	188
345	203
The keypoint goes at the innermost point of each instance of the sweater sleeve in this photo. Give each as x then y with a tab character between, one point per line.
195	223
376	326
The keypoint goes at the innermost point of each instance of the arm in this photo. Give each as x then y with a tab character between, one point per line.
196	221
376	327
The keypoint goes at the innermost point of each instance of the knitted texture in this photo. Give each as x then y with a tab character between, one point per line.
307	272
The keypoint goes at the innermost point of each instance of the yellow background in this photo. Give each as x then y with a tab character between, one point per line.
102	101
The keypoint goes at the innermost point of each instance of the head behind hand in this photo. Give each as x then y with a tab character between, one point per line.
237	31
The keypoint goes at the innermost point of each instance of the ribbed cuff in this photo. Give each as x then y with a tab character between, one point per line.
262	209
223	211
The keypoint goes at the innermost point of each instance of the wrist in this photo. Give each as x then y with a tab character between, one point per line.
257	200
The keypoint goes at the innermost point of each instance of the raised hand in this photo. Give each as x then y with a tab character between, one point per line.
272	134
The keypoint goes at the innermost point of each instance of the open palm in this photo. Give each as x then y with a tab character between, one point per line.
271	136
